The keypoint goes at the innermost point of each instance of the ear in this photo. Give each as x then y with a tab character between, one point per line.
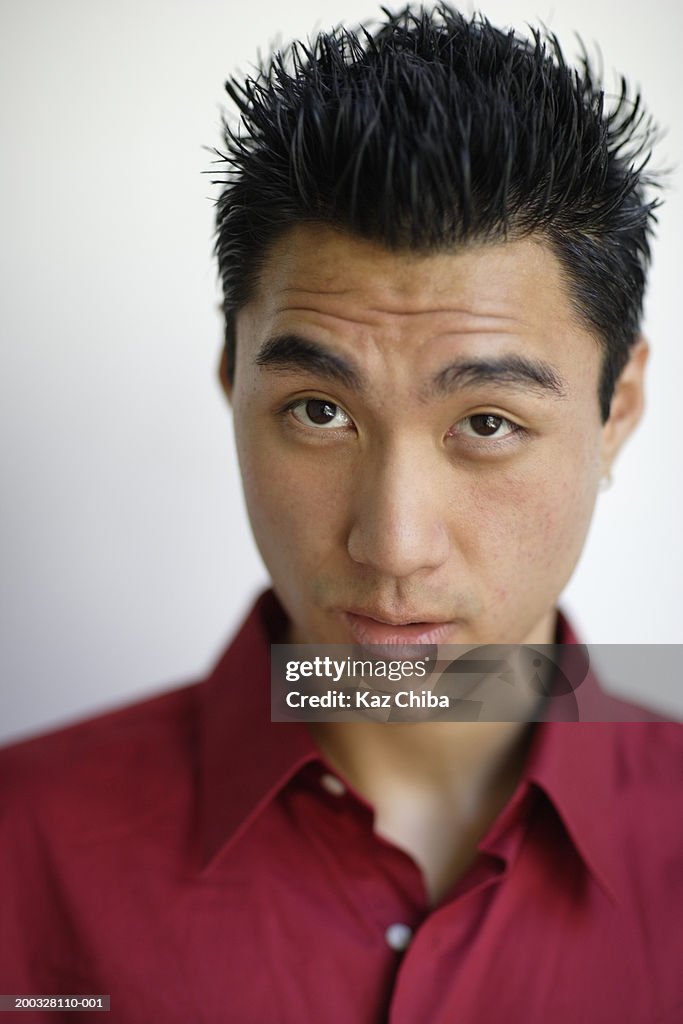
627	404
223	375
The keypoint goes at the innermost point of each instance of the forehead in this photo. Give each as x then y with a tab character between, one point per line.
398	316
329	266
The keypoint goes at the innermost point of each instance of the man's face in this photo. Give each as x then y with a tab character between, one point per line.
419	438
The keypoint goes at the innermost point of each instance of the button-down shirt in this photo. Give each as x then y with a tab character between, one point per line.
200	863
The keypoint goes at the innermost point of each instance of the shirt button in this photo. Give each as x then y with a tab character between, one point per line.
398	936
332	784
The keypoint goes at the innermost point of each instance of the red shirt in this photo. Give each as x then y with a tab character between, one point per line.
201	864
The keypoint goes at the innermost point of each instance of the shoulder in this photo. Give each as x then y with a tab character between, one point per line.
647	775
648	769
648	754
101	770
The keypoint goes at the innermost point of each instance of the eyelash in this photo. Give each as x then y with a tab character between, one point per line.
515	428
289	408
518	432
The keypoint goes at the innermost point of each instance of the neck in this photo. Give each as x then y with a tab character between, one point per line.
441	756
463	761
435	786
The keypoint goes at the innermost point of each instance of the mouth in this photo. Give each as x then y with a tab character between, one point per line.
372	629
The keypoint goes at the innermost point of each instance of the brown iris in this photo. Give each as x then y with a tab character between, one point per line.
320	411
485	424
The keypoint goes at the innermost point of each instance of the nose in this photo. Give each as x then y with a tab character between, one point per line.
399	525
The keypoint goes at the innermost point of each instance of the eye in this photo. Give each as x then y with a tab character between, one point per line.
318	412
485	424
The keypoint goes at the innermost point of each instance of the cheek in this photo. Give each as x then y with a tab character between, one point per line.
559	523
531	525
295	502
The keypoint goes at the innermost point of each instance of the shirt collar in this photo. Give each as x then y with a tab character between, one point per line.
573	763
245	759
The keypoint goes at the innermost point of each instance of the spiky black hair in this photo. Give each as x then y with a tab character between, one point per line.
433	131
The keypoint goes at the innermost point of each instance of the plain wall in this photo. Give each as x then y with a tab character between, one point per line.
127	560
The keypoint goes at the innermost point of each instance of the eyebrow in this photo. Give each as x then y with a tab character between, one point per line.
511	370
288	352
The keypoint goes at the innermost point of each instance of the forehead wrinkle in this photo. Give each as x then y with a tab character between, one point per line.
315	291
396	300
321	313
391	309
452	321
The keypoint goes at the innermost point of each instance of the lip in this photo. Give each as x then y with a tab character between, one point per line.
366	630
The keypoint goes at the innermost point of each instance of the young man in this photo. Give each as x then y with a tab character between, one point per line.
433	244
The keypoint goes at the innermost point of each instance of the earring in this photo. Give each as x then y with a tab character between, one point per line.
606	481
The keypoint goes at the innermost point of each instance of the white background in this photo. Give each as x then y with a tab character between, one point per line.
126	556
